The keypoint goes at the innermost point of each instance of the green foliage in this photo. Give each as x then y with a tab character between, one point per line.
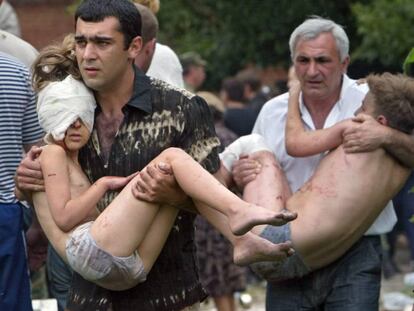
408	67
232	34
385	28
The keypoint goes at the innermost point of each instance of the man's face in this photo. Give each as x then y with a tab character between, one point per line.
199	75
318	67
368	106
100	53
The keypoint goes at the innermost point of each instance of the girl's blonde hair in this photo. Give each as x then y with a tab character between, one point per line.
54	63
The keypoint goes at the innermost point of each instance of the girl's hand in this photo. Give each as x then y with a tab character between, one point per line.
117	182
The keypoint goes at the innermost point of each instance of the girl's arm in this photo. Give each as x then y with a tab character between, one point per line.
302	143
67	212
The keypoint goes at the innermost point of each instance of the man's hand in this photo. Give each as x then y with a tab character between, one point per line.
366	135
156	184
244	171
29	175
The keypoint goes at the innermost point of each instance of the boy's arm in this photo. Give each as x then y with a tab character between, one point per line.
67	212
302	143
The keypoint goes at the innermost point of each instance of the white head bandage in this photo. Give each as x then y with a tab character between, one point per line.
61	103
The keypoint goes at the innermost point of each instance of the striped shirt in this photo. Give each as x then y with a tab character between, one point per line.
18	121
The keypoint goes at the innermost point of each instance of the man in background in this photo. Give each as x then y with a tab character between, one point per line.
19	130
194	72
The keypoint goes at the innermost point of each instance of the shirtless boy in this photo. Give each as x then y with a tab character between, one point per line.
329	204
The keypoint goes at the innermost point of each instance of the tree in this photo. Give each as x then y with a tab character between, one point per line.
385	30
232	34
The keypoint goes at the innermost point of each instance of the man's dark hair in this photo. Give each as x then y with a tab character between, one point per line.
234	89
149	23
123	10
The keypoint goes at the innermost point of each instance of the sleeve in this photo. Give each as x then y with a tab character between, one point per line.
199	138
31	130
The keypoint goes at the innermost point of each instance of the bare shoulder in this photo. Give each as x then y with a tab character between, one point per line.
52	152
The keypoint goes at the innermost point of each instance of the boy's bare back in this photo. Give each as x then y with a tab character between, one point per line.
341	201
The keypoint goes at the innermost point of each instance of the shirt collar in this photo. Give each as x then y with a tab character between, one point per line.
141	97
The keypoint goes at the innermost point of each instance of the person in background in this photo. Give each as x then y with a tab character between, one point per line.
194	72
149	38
218	274
35	238
18	48
404	207
9	20
19	131
238	116
165	64
253	90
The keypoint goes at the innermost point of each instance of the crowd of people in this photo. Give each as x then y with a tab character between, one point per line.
136	189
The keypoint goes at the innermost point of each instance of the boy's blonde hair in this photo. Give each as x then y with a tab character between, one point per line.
394	98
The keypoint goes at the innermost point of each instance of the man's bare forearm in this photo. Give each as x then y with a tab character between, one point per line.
401	146
22	195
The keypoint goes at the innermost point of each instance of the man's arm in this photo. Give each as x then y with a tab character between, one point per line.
29	176
302	143
369	135
157	184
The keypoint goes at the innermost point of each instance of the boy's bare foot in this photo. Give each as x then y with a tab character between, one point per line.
251	248
245	218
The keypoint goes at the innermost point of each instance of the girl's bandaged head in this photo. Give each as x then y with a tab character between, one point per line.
61	103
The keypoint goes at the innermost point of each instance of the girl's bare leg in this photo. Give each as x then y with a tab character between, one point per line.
270	188
154	240
249	247
122	226
202	186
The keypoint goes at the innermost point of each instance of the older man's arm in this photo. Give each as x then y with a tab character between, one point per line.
370	135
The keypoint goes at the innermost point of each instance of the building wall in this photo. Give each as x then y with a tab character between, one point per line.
43	22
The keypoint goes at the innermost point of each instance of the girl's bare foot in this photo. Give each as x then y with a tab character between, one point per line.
251	248
243	219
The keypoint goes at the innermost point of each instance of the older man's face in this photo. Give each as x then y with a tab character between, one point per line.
318	67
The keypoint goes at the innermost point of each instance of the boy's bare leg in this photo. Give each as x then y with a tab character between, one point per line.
203	187
249	247
270	188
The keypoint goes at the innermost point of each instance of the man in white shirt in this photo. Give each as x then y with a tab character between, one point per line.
9	20
319	50
18	48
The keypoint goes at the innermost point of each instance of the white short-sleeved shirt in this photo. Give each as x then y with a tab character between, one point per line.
271	125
